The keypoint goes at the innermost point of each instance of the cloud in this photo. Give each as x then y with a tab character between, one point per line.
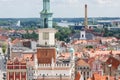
65	8
65	2
107	2
104	1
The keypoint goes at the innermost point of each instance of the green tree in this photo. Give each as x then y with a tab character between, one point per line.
4	48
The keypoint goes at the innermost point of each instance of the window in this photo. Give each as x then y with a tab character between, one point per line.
82	35
23	73
80	68
87	67
11	73
45	23
45	35
84	67
17	73
88	73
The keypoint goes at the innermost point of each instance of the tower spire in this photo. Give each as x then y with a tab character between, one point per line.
46	15
46	5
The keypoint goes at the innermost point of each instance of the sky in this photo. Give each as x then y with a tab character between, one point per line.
60	8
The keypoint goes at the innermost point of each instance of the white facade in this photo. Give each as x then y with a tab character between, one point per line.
47	39
85	71
33	45
82	35
30	73
52	71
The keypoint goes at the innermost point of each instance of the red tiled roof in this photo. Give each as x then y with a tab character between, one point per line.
81	62
77	77
4	38
45	55
115	63
16	41
28	56
96	76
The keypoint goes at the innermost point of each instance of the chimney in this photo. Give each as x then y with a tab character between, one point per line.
86	18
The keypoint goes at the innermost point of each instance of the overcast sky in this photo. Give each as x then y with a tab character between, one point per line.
60	8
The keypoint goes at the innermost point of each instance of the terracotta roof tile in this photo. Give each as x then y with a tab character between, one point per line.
4	38
28	56
81	62
96	76
16	41
77	77
115	63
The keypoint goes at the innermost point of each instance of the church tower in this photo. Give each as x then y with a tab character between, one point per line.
46	51
82	34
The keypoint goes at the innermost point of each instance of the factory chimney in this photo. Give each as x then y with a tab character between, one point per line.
86	18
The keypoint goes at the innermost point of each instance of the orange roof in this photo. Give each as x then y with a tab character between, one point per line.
115	63
96	76
77	77
89	79
45	55
78	54
16	41
28	56
4	38
65	55
90	61
16	60
81	62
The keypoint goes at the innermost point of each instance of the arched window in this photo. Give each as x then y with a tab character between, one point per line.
84	67
45	23
82	35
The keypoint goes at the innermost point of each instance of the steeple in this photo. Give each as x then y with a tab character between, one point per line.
46	15
82	34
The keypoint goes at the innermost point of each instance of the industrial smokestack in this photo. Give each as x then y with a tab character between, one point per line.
86	18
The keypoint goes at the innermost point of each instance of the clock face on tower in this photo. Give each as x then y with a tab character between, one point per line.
45	36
